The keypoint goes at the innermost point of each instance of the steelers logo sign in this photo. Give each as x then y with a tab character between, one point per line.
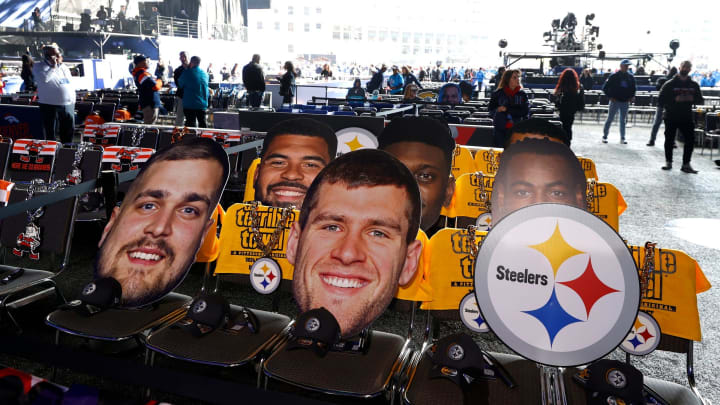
644	336
89	289
265	275
470	314
557	285
354	138
482	223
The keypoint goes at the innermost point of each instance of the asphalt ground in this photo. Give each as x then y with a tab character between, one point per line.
655	197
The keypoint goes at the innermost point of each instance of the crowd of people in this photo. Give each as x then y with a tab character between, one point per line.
508	103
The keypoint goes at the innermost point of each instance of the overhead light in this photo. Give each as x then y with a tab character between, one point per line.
595	30
674	45
589	18
556	23
599	46
547	36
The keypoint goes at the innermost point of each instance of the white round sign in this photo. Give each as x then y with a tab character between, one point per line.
265	275
557	285
470	314
354	138
644	336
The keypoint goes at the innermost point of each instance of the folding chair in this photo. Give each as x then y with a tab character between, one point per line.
671	279
472	200
140	136
487	160
711	132
361	374
88	168
107	110
32	159
605	201
462	162
25	248
222	347
451	268
82	109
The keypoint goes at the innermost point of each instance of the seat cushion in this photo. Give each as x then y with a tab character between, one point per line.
118	324
29	278
672	393
424	391
219	347
343	373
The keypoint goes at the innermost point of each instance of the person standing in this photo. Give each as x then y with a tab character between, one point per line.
179	112
376	80
677	97
409	77
479	79
586	79
395	81
148	87
659	109
37	20
508	104
56	95
254	81
569	98
194	83
620	88
27	74
287	83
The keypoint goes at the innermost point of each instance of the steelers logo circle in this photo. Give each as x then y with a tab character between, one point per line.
455	352
354	138
312	325
265	275
616	378
577	279
470	314
199	306
89	289
482	223
644	337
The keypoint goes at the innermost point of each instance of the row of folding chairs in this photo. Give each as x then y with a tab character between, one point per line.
389	364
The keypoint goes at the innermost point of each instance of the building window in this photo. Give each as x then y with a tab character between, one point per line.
291	48
291	10
306	11
318	26
277	26
405	37
318	10
307	27
372	34
394	35
382	36
291	27
259	25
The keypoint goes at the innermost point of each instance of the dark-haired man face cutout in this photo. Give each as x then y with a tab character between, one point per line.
532	179
432	172
151	240
353	253
288	167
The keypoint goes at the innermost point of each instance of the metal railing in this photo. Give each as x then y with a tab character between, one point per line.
167	26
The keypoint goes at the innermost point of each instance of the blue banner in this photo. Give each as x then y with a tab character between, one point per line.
20	121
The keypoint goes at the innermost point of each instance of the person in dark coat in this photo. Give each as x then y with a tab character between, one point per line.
254	81
287	83
569	99
587	80
356	93
377	79
27	74
508	105
409	77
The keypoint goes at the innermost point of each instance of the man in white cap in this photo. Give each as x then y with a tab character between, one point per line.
620	88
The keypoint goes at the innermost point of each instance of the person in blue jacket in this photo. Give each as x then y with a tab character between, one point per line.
194	82
508	105
395	81
479	79
409	77
707	81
